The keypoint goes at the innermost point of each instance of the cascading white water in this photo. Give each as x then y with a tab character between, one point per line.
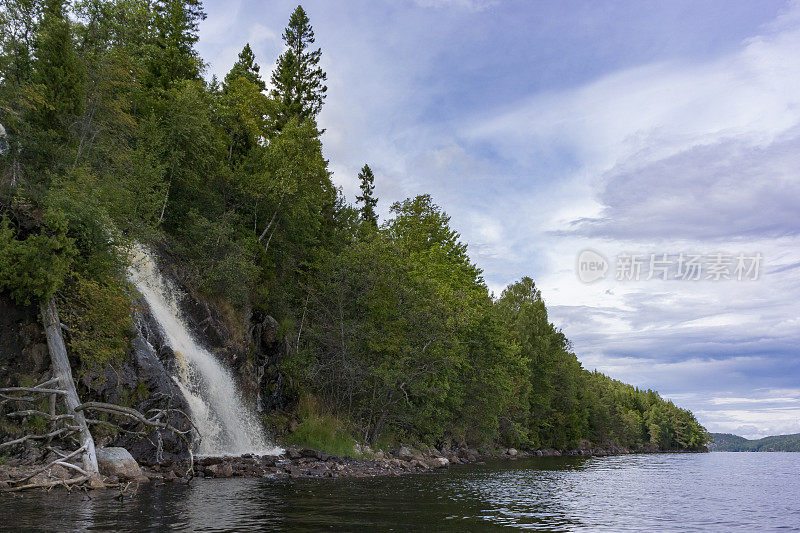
226	425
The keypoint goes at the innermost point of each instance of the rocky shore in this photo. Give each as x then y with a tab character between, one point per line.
119	468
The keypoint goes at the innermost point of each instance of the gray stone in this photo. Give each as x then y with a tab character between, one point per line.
118	462
438	462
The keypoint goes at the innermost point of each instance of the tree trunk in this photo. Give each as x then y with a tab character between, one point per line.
62	370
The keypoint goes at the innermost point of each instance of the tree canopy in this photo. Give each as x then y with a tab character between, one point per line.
114	135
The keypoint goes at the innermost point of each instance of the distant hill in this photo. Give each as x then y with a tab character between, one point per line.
727	442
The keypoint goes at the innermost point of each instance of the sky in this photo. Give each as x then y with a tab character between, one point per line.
546	128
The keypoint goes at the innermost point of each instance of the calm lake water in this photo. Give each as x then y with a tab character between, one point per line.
691	492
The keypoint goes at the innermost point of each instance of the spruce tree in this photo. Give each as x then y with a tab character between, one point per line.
246	67
58	70
177	24
367	199
298	80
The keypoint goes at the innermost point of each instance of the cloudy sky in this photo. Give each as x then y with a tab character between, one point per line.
548	128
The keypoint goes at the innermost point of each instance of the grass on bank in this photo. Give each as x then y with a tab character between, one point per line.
321	431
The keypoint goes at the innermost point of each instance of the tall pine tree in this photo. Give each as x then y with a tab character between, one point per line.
298	80
367	199
58	70
177	24
246	67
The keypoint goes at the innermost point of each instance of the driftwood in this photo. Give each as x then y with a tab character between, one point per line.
60	460
31	412
153	422
63	371
46	484
56	433
77	424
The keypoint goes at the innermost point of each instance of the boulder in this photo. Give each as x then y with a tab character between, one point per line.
220	470
512	452
438	462
404	452
118	462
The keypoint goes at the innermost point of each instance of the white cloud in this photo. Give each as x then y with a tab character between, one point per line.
674	155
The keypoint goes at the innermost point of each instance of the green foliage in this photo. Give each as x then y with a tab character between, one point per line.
367	199
35	266
98	316
114	137
247	68
321	431
217	261
298	80
173	57
57	70
726	442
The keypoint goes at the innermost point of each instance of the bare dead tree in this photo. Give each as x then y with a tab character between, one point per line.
63	371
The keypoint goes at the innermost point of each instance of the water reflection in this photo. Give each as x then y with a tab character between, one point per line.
665	492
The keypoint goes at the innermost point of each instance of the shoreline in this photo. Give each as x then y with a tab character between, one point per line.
308	463
303	463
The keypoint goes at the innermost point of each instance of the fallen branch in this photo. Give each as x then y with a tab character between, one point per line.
117	427
7	398
154	422
33	389
33	412
50	464
130	413
62	431
73	467
45	484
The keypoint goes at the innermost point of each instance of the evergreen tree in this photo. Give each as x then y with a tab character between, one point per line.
57	70
298	80
367	199
174	57
246	67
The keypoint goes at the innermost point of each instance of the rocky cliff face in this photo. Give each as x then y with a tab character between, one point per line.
142	382
249	345
23	347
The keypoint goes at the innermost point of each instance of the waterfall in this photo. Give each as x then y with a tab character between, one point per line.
226	425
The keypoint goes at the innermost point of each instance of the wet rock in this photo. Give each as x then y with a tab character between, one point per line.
293	453
314	454
220	470
147	374
438	462
416	463
208	461
512	452
118	462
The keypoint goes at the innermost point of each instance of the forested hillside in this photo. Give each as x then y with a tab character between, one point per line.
727	442
114	136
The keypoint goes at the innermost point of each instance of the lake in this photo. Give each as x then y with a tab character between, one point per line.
664	492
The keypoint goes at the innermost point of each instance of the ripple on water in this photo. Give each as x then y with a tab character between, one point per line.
692	492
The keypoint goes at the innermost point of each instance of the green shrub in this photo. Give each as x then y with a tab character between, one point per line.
98	316
321	431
